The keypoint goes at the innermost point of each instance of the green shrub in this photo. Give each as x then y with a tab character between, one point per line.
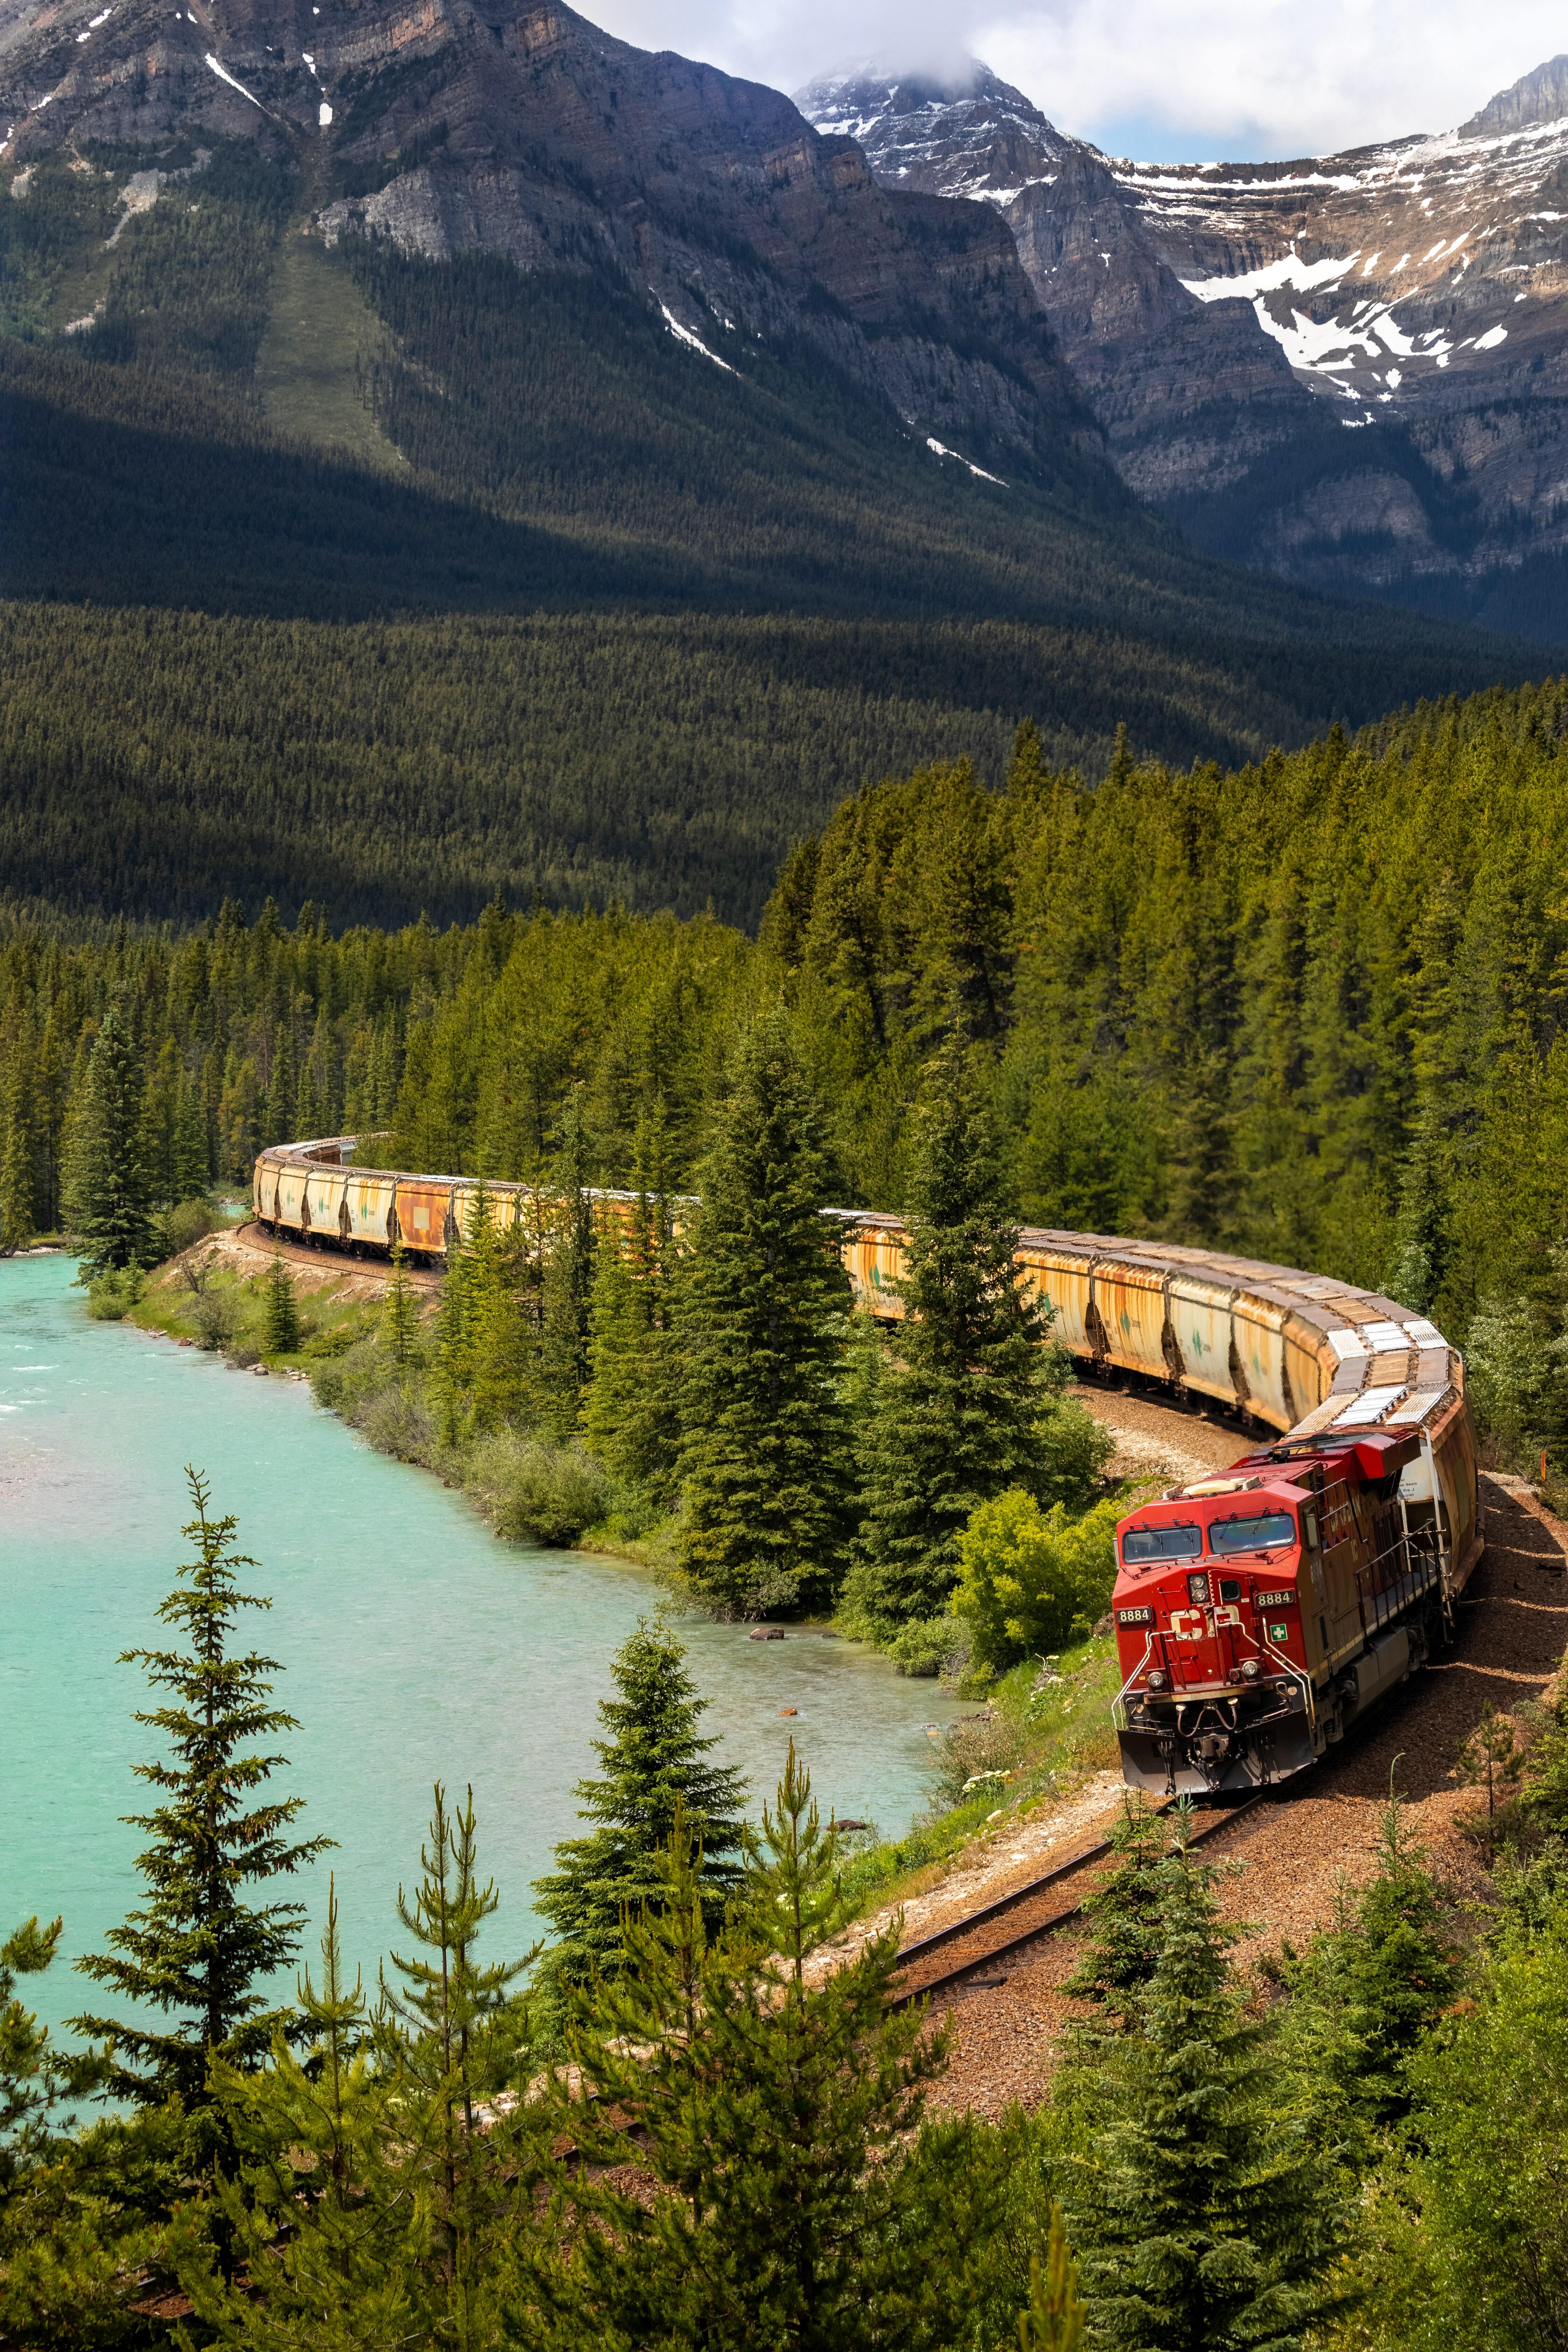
533	1491
111	1297
1032	1580
188	1223
394	1420
217	1317
925	1644
1076	1452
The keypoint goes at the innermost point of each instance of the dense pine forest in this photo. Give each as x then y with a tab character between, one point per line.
1308	1010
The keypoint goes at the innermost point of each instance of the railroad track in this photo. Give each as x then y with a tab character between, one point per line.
973	1944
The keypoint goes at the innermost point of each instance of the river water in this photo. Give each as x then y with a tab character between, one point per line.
414	1644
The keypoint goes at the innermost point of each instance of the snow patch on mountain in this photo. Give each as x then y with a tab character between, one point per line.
684	335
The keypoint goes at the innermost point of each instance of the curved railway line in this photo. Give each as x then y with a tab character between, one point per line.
954	1955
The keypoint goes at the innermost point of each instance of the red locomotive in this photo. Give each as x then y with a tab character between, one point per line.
1260	1613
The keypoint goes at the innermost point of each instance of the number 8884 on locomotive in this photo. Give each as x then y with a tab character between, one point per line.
1259	1614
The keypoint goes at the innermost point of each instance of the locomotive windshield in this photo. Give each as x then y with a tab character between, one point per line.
1253	1535
1142	1545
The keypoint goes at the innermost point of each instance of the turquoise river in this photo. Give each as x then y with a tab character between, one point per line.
414	1644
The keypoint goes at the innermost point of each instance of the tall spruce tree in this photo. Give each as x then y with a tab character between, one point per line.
19	1129
400	1313
564	1362
631	1408
956	1419
655	1768
281	1329
110	1194
771	2114
765	1457
197	1951
451	2038
1203	2217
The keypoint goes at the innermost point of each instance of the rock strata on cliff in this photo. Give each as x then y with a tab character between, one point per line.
1239	327
524	131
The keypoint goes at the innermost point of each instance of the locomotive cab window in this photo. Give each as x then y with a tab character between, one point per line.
1145	1547
1264	1533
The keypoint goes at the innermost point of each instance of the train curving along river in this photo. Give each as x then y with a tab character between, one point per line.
1257	1615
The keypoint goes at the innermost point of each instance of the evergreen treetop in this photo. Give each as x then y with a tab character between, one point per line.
763	1308
281	1329
773	2114
197	1951
654	1769
1205	2219
956	1417
109	1189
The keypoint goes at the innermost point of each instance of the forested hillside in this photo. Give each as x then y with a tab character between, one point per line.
1308	1009
386	583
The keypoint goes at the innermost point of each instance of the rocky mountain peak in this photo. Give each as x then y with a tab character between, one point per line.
1538	97
963	132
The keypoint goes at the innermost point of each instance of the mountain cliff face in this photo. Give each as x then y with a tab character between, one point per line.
1353	368
520	129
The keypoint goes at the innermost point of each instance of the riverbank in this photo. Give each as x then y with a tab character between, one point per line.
1005	1772
412	1644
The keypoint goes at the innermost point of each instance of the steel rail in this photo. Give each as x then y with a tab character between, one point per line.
974	1920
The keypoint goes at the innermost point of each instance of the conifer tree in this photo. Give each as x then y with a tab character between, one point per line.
654	1765
110	1192
35	2076
955	1418
455	1341
277	1117
631	1408
565	1362
192	1173
450	2038
18	1121
764	1312
281	1331
497	1340
771	2115
1203	2217
400	1313
1364	1995
197	1951
1055	2319
1124	1913
319	2254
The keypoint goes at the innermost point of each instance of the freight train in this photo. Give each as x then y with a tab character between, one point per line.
1259	1614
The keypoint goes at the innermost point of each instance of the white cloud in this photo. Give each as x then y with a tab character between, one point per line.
1222	78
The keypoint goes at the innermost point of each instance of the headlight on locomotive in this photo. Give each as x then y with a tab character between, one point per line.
1252	1669
1158	1681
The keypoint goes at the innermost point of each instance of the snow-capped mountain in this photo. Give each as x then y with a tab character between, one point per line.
1220	315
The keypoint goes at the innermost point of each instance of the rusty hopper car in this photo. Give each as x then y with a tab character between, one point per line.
312	1193
1257	1615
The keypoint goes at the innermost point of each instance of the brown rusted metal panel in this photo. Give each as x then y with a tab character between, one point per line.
422	1205
1130	1299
